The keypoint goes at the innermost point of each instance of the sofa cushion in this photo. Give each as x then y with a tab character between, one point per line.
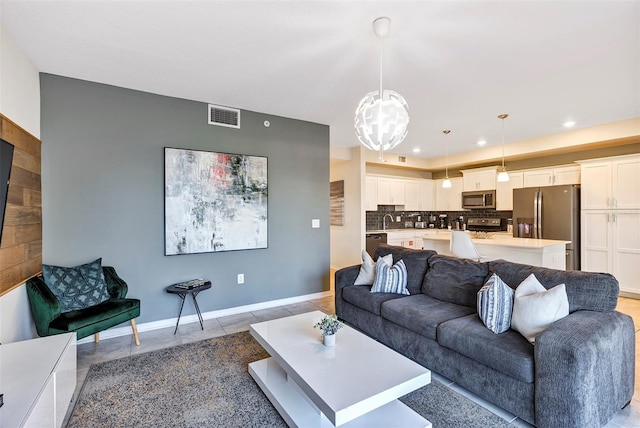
416	262
422	314
509	352
361	296
535	308
390	279
77	287
455	280
585	290
495	304
75	320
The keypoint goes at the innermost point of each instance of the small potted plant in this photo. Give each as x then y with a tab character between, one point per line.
329	325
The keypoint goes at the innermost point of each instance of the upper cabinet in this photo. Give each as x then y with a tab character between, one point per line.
418	195
556	176
611	183
479	179
412	193
371	193
504	191
390	191
449	199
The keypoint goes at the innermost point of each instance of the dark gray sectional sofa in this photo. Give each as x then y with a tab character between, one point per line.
579	373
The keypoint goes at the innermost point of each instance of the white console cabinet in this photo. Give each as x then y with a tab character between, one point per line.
38	379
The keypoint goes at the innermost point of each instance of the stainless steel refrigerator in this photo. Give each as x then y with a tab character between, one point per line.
549	213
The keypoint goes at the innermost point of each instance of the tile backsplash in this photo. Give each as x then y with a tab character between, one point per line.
374	218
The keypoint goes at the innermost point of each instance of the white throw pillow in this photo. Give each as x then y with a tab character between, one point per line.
535	308
367	273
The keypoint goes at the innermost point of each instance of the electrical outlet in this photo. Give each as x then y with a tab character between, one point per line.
240	278
398	218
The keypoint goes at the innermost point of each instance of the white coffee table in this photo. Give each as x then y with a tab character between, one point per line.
354	384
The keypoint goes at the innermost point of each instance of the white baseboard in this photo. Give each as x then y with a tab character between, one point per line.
125	330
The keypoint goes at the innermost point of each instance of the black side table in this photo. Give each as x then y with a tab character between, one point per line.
182	293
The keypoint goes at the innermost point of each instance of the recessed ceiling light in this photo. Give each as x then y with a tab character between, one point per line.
569	124
482	142
416	150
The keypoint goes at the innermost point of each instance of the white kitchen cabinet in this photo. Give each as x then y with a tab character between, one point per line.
611	183
405	239
479	179
504	191
371	193
390	191
449	199
418	195
611	243
556	176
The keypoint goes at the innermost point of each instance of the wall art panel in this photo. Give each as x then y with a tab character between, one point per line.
214	202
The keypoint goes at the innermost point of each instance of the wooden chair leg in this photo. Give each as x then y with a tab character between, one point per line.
135	331
97	337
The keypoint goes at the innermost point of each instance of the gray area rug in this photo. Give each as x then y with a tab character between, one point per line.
206	384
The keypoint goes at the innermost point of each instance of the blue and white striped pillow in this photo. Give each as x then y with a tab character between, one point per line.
390	279
495	304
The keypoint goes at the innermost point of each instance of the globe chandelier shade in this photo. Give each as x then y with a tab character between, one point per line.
381	124
382	116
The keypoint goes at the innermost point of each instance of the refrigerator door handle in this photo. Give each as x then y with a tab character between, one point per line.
535	215
539	215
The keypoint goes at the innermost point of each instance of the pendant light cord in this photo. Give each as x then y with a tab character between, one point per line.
380	106
503	144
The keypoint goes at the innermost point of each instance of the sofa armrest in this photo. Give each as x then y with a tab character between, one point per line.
45	306
343	278
584	368
116	286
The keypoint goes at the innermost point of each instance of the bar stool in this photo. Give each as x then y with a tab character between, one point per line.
462	246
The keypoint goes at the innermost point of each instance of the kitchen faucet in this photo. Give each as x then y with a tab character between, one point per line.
384	224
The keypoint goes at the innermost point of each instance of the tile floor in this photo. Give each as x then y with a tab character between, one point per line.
89	353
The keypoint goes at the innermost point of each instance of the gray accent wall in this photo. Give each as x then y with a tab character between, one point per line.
103	194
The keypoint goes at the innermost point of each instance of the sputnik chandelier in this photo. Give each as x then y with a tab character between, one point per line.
381	117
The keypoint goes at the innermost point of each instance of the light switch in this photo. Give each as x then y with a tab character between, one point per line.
315	223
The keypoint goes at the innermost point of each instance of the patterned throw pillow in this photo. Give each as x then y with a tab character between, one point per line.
495	304
77	287
535	308
367	273
390	279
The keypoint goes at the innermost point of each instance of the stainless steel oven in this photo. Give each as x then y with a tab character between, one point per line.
479	199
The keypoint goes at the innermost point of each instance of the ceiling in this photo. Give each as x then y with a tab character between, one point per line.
457	63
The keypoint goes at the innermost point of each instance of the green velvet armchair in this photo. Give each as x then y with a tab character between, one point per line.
49	319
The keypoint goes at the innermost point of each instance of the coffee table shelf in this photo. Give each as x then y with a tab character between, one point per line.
355	384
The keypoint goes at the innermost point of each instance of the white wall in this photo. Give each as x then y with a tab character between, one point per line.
347	241
20	102
19	86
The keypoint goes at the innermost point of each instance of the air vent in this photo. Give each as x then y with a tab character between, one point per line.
402	159
224	116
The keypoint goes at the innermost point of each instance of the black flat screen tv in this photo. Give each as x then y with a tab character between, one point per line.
6	157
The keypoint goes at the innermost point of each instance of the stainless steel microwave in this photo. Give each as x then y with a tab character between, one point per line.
479	199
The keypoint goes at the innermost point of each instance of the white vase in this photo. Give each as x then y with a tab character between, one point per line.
329	340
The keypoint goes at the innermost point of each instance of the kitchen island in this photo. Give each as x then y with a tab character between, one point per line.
547	253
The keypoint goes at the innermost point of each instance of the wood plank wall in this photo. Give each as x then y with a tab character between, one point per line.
21	246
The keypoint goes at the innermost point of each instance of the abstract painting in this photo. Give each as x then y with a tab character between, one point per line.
214	201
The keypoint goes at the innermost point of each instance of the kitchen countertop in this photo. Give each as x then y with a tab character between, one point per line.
501	240
409	229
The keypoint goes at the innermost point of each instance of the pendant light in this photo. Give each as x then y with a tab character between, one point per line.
446	184
381	117
503	176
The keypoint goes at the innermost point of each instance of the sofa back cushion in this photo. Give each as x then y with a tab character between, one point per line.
585	290
416	262
454	280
